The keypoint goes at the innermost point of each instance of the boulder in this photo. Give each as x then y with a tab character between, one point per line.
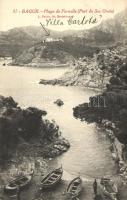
59	102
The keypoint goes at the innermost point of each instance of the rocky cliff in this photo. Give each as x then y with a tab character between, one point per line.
111	105
92	72
44	54
27	129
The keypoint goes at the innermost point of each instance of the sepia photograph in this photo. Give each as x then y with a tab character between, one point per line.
63	100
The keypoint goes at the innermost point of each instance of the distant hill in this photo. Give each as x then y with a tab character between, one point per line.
78	43
14	41
111	30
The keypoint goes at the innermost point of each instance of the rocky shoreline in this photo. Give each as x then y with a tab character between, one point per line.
31	156
85	73
109	110
28	141
94	72
40	65
26	131
118	150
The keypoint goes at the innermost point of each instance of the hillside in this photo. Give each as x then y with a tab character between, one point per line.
105	46
26	131
92	72
16	40
70	44
111	105
110	31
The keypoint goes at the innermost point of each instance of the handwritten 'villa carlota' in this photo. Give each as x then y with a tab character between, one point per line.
74	21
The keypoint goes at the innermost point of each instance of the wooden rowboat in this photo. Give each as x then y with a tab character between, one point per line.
109	188
52	178
74	188
18	182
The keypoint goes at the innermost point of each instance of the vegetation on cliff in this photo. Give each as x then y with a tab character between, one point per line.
19	126
111	105
79	42
44	54
92	72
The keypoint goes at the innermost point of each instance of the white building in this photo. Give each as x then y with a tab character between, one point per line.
53	39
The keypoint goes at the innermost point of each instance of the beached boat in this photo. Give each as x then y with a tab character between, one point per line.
109	188
52	178
74	188
18	182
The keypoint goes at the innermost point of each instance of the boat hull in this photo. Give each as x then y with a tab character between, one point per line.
47	182
18	183
112	194
70	190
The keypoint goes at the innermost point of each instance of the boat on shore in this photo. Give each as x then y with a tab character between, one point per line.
18	182
74	188
109	188
52	178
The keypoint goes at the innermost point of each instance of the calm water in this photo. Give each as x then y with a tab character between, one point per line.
89	154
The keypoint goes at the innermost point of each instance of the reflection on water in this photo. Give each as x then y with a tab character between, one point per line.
89	154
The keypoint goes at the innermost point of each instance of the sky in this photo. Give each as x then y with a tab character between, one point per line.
11	12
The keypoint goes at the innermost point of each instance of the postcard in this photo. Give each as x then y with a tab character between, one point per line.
63	100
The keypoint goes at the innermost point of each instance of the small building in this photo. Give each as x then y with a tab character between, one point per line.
50	39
